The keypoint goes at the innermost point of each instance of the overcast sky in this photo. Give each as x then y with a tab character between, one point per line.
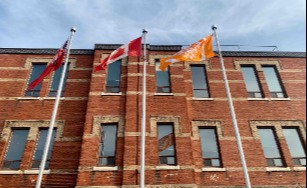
46	24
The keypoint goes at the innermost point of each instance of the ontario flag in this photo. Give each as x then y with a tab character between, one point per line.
133	48
198	51
52	66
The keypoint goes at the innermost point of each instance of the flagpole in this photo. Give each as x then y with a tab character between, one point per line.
233	114
143	131
54	113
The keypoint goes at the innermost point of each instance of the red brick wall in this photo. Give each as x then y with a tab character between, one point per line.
75	154
66	150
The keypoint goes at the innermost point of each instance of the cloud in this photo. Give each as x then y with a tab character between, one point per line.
33	23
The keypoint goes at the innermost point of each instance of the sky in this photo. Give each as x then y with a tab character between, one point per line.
247	23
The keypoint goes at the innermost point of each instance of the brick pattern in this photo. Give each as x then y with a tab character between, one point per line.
86	105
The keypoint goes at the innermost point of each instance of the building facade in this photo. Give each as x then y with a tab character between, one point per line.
190	139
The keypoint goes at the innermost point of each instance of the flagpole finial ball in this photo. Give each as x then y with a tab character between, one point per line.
73	29
145	31
214	27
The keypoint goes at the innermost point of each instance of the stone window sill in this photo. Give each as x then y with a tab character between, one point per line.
13	172
53	98
213	169
36	172
111	94
105	168
300	168
29	98
278	169
202	99
168	167
164	94
257	99
280	99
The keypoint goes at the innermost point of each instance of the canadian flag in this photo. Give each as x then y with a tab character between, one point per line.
133	48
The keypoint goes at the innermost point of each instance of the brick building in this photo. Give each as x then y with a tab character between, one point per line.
190	139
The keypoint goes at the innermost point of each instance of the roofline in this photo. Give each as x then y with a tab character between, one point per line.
170	48
43	51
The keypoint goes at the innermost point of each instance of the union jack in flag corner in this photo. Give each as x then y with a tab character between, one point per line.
52	66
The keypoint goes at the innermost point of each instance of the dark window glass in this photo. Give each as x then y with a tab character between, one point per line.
37	70
200	86
56	81
273	81
40	148
270	147
251	82
209	147
15	149
113	78
162	80
295	146
107	147
166	145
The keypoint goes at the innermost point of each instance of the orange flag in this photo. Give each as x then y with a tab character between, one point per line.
166	142
198	51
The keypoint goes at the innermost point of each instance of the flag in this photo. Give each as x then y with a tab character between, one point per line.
198	51
133	48
166	141
52	66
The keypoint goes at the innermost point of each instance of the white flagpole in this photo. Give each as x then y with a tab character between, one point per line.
232	111
143	137
54	113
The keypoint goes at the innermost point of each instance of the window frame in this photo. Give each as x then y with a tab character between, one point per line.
11	162
101	144
206	80
252	94
283	90
174	144
53	93
169	79
299	134
270	159
108	89
217	144
34	93
37	162
33	126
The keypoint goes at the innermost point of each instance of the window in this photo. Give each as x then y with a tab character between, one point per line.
162	79
200	86
209	147
252	82
113	78
273	80
37	70
56	81
166	144
270	147
295	146
15	149
39	150
107	147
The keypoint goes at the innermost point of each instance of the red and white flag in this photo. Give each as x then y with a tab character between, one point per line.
133	48
52	66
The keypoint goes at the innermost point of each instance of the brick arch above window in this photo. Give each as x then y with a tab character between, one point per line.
278	125
187	64
155	120
34	128
258	64
30	61
98	120
196	124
